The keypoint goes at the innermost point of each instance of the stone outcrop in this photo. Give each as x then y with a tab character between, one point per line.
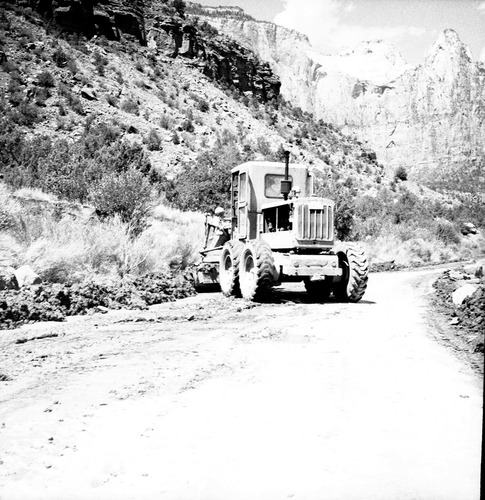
26	276
166	30
8	280
219	57
109	18
430	119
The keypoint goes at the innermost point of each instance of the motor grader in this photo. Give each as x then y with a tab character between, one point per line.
280	232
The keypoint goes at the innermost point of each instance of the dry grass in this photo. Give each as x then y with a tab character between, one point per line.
422	248
35	194
72	249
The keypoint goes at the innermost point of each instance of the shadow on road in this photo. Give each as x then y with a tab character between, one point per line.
281	296
286	295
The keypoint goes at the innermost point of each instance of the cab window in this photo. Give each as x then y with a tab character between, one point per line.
272	185
242	187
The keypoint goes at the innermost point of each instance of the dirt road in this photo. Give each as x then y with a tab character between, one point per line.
211	398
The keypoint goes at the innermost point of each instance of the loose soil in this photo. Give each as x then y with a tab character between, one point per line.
53	302
215	398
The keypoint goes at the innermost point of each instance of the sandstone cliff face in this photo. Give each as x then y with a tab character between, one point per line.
430	119
283	49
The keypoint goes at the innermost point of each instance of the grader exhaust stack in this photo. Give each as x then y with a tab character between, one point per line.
286	183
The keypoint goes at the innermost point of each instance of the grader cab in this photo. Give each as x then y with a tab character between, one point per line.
281	232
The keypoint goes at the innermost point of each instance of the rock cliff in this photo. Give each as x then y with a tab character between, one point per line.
219	57
162	26
430	119
104	17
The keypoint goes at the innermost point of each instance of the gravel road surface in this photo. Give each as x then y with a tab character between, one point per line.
212	398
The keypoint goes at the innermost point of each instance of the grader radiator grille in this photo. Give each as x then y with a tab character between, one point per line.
315	223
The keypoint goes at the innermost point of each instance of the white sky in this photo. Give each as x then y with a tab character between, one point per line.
410	25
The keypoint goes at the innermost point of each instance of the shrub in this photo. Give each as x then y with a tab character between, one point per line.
166	121
60	58
187	126
73	67
45	79
264	147
205	183
72	100
41	95
139	66
25	114
130	106
400	174
447	232
126	194
203	106
76	104
153	141
99	62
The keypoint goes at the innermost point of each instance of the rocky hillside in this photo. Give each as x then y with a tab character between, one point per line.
174	92
430	119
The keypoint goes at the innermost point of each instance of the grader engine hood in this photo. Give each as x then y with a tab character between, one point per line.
305	223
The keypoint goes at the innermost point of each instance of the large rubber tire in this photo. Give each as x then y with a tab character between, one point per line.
229	268
256	271
355	268
319	290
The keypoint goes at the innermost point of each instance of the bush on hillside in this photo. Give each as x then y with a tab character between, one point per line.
400	174
60	58
447	232
45	79
153	141
130	106
206	183
127	194
69	170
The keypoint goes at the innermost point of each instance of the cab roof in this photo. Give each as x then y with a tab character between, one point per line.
266	165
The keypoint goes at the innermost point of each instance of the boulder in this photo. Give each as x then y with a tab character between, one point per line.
89	93
460	294
8	280
457	275
27	276
468	228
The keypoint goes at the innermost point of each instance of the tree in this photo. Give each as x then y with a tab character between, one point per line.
206	183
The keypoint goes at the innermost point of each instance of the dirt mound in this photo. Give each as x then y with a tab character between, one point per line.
469	315
53	302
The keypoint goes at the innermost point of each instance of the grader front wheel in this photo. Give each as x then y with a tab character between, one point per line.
229	268
256	271
355	273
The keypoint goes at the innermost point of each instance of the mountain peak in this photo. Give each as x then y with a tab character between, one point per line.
448	45
375	61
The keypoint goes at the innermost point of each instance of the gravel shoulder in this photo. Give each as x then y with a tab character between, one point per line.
215	398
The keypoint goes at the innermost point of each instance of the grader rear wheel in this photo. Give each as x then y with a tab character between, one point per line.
229	268
256	271
355	269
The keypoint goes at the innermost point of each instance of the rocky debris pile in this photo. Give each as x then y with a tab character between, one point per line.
388	265
53	302
461	295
